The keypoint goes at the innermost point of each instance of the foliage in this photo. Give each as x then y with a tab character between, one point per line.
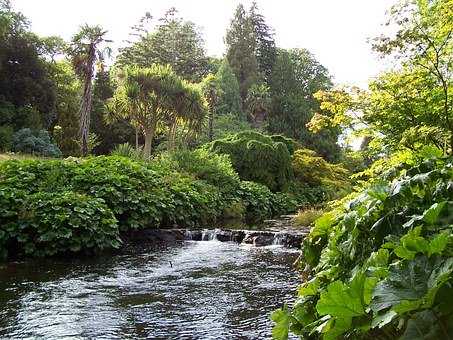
296	76
67	86
306	217
240	40
57	206
213	168
230	97
257	157
27	141
258	104
266	51
52	223
316	171
381	265
6	137
24	81
127	150
111	131
410	106
173	41
156	97
224	126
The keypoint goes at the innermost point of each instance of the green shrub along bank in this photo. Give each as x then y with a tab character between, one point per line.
258	157
56	206
380	267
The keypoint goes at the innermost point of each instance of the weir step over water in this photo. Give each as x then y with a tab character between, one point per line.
256	238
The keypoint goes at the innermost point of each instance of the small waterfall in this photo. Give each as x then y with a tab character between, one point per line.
209	235
252	237
189	235
279	239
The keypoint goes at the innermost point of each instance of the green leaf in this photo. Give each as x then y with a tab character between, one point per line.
406	306
309	288
323	225
423	326
382	320
282	319
340	300
438	243
431	215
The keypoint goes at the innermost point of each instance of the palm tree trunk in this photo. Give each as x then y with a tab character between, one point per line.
149	137
85	107
136	138
211	125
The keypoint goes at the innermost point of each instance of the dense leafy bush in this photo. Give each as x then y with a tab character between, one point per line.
382	266
48	206
45	224
257	157
26	141
315	171
212	168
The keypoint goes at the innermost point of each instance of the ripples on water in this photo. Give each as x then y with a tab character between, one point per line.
198	290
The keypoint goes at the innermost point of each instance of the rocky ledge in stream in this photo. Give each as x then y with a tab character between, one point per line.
274	232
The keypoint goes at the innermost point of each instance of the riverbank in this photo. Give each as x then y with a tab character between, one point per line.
51	207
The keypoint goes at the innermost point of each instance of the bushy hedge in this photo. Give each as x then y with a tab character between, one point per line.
54	206
35	142
258	158
381	267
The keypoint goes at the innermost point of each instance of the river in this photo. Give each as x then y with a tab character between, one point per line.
192	290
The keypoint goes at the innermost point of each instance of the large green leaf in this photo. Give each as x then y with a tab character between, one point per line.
282	319
341	301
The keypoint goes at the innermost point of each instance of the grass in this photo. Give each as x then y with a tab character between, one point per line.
8	156
305	218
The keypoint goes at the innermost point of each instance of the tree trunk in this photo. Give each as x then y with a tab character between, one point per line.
149	137
85	107
211	126
136	138
172	136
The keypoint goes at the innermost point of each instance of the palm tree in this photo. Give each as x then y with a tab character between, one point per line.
258	102
156	97
85	51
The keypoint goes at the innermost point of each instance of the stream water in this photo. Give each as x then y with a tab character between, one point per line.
194	290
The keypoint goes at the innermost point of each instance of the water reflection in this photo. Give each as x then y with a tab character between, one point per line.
198	290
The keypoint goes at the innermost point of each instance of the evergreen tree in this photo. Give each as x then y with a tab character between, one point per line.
241	46
297	75
174	41
230	97
266	51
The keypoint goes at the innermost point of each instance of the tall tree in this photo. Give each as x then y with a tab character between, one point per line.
211	92
241	47
266	50
27	91
86	49
423	44
173	41
297	75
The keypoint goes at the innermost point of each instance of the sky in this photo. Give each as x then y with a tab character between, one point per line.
335	31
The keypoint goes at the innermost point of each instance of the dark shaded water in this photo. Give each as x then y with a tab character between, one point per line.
197	290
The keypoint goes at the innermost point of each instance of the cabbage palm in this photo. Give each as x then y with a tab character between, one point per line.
85	51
